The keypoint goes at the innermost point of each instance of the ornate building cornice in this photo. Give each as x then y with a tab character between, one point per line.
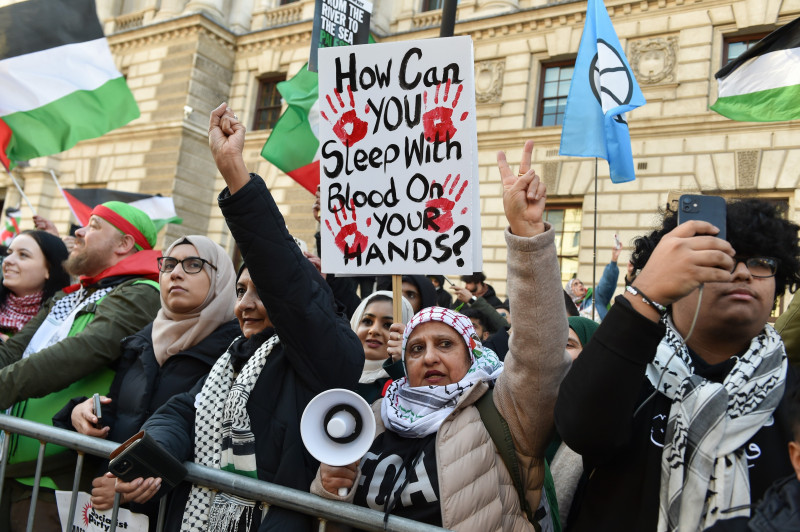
175	29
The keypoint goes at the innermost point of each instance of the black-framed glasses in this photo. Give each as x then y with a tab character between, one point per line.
760	267
189	264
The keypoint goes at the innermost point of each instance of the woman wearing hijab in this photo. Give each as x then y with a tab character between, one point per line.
192	329
245	417
32	273
371	322
433	459
565	464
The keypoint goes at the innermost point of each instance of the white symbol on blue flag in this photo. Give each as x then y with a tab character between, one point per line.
602	90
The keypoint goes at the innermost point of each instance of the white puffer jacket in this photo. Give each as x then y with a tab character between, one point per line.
475	488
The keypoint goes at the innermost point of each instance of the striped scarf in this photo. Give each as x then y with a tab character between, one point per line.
224	440
704	475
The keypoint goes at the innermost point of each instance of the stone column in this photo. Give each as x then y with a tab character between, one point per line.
211	7
170	9
240	15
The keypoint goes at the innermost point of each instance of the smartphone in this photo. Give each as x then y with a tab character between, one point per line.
128	466
98	411
711	209
141	456
617	242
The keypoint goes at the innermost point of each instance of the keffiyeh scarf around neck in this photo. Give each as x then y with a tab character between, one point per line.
703	477
224	440
418	412
16	311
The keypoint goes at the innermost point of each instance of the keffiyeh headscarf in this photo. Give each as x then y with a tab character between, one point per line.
703	476
419	412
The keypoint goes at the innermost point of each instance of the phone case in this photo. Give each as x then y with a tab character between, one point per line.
710	209
142	456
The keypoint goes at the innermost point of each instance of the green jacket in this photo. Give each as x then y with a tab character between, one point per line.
78	365
788	326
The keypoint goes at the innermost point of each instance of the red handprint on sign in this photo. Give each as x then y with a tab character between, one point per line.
349	128
349	239
438	122
444	205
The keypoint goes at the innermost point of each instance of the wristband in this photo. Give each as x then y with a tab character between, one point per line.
635	291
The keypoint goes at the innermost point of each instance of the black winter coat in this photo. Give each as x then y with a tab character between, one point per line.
141	386
318	351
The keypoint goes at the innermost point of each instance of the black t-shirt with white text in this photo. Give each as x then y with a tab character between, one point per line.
384	469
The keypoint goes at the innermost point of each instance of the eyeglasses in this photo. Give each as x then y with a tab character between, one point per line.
189	264
760	267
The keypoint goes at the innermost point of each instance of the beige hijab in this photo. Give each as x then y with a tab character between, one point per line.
174	332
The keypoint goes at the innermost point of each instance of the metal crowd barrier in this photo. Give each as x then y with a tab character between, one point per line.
324	510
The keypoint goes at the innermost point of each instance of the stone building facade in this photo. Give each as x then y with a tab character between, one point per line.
182	58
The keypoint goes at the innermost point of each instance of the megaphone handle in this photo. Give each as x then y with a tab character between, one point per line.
343	492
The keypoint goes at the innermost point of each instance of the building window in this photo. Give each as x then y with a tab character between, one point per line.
284	2
566	222
430	5
553	91
268	102
733	47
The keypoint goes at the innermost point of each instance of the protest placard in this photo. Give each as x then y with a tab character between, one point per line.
398	158
338	23
88	519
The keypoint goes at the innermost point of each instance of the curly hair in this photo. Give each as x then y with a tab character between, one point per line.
477	278
755	228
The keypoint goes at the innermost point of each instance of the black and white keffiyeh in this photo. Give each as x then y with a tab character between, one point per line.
58	323
419	411
224	440
703	477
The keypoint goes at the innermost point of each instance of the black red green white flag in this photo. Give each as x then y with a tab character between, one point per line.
59	82
160	209
763	84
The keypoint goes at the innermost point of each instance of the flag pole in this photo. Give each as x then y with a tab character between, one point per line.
63	195
19	188
594	244
448	18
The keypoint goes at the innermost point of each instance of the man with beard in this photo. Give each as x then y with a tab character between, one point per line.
66	350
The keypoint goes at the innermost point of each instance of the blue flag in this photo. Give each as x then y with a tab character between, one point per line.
602	90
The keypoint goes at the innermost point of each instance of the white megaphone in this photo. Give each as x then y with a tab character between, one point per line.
337	428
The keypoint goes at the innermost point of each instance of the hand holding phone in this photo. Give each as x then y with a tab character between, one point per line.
85	417
143	457
98	411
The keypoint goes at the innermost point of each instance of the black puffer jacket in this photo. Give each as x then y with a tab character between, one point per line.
318	351
141	386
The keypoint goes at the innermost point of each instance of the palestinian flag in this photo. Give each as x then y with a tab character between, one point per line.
763	84
82	200
293	145
13	216
59	83
5	139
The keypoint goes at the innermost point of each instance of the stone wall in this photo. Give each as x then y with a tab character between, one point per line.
179	68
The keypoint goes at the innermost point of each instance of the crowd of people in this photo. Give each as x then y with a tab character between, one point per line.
673	407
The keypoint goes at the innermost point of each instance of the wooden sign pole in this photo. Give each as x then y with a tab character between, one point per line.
397	298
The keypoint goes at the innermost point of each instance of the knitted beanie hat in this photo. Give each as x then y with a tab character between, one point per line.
583	327
130	221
